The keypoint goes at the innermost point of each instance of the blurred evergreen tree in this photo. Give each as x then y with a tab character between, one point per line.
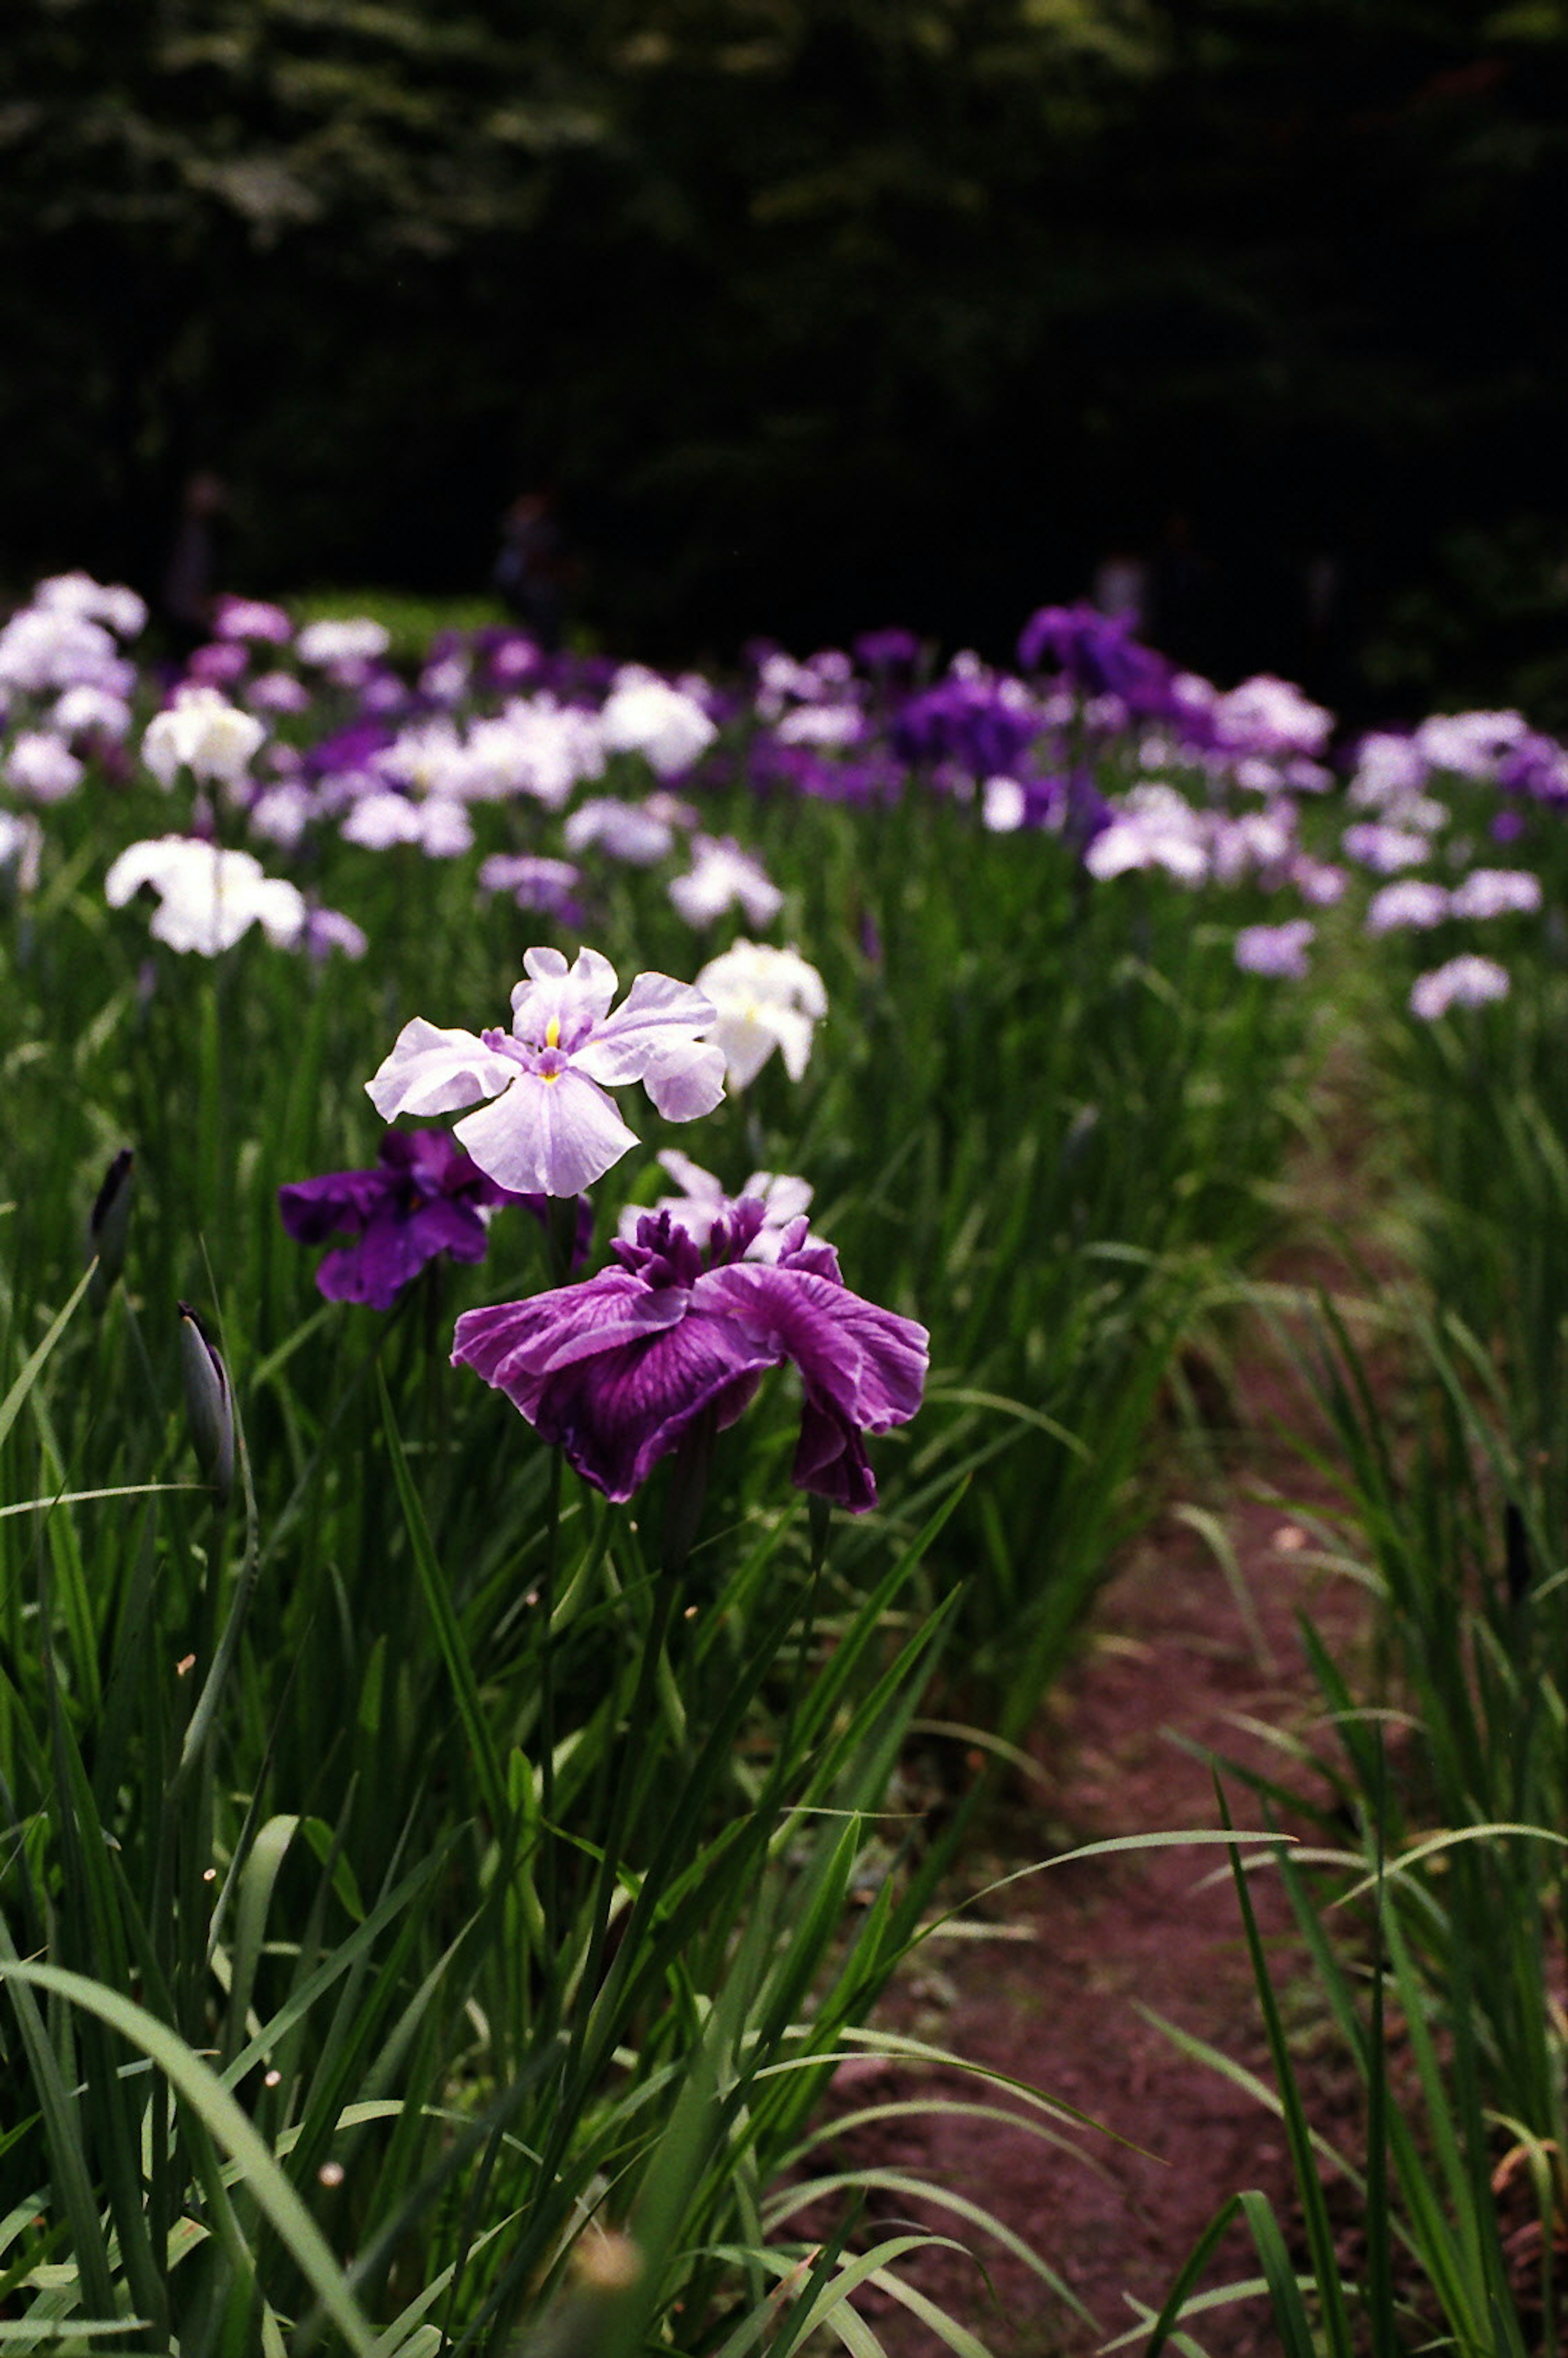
812	310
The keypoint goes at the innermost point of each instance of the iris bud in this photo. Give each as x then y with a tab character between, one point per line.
108	1223
209	1403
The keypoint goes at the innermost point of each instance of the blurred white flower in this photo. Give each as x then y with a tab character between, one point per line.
40	767
721	877
43	649
438	825
355	641
100	602
1271	715
766	999
1002	806
201	732
207	898
1156	827
86	708
535	746
643	714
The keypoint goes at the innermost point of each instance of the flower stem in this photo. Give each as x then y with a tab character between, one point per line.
549	1889
688	1484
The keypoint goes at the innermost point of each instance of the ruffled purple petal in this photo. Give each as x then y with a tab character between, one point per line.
517	1346
616	1412
868	1363
830	1459
547	1137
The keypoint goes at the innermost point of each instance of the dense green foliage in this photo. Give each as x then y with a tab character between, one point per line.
815	310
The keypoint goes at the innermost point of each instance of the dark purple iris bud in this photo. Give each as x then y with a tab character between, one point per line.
423	1197
619	1370
108	1223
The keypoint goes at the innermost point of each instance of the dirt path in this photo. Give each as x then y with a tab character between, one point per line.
1052	1995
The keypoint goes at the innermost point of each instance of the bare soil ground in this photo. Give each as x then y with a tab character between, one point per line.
1052	1990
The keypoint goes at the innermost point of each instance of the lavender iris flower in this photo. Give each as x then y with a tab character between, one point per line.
1276	949
618	1371
702	1204
1465	982
552	1129
423	1197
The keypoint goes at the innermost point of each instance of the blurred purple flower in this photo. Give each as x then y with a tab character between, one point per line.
424	1197
535	882
1098	653
328	931
1467	981
1497	893
627	831
1409	902
1276	949
618	1371
252	618
984	725
887	651
1537	766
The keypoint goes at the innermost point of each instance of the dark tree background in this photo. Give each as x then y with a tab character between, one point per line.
814	313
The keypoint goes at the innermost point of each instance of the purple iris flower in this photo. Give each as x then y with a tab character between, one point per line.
1097	652
424	1197
984	725
890	652
618	1371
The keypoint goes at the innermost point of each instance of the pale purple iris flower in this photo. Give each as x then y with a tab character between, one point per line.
1279	950
551	1128
1497	893
627	831
702	1204
1410	900
1467	981
544	885
1386	850
618	1371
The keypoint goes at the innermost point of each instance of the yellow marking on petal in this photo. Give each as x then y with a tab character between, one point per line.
553	1034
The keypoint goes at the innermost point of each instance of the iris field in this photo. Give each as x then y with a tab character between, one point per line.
588	1258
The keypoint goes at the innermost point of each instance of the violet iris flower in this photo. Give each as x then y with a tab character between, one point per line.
552	1129
424	1197
618	1371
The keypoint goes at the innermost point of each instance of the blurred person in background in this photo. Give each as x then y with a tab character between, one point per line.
532	568
190	579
